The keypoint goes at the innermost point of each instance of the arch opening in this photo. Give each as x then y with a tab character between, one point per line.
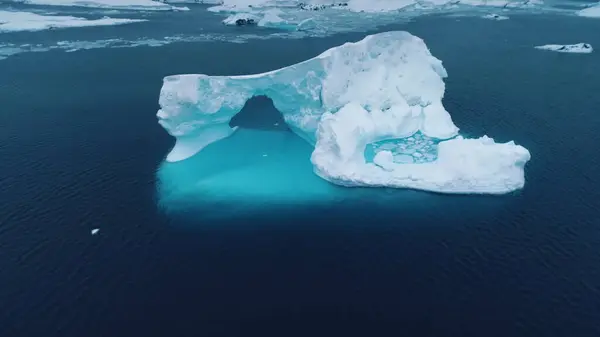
259	113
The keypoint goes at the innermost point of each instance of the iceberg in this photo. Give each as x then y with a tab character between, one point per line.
269	18
25	21
147	5
590	12
579	48
495	17
241	19
386	86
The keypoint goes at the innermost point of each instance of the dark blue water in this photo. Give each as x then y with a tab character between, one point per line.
80	148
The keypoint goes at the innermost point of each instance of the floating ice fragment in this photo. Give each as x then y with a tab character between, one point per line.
580	48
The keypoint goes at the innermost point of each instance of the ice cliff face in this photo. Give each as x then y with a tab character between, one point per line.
386	86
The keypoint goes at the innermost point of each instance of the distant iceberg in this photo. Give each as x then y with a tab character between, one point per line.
269	18
148	5
369	5
495	17
386	86
25	21
580	48
590	12
241	19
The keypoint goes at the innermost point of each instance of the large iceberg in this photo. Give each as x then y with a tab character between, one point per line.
386	86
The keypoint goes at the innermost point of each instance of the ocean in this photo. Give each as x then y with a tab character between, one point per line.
80	148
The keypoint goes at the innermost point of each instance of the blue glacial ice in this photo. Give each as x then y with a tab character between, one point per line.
387	86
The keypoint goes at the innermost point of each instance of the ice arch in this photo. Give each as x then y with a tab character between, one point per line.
387	85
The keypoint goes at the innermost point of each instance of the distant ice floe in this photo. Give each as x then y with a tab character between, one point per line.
590	12
372	6
146	5
580	48
10	49
25	21
269	18
495	17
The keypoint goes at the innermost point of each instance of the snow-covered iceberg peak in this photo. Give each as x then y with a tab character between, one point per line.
385	86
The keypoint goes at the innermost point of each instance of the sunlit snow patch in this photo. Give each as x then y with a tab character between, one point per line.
386	86
24	21
579	48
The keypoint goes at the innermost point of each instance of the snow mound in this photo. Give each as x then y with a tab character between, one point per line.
495	17
25	21
386	86
590	12
147	5
579	48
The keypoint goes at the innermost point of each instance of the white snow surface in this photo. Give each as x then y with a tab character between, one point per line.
148	5
386	86
25	21
590	12
578	48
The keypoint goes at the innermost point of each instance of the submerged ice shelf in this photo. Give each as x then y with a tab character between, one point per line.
325	101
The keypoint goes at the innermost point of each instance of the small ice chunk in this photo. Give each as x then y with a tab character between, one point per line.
385	160
95	231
